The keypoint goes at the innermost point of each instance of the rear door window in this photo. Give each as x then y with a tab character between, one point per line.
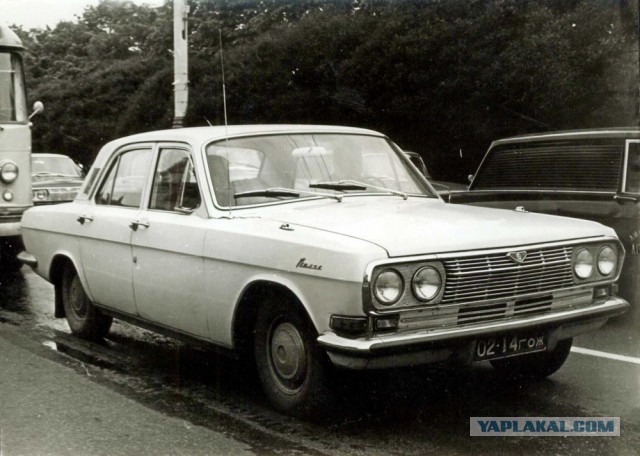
124	183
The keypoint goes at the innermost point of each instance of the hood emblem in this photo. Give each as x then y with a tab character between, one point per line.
517	257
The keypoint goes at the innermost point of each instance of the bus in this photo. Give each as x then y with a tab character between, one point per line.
15	148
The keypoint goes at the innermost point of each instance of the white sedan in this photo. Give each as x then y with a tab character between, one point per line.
313	247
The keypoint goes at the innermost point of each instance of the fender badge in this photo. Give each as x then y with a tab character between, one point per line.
302	264
517	257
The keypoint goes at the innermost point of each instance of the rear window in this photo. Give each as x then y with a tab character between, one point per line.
593	166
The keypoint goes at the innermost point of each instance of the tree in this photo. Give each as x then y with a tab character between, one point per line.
441	77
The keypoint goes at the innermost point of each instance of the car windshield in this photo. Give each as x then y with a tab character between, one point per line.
54	166
267	169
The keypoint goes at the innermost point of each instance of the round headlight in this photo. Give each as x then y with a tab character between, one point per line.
388	287
426	283
9	172
583	266
607	260
7	195
41	194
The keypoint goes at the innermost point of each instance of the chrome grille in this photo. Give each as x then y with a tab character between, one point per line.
495	276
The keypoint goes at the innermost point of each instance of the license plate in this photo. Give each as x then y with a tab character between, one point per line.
509	345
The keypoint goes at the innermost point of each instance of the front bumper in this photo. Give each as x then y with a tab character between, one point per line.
457	344
10	218
10	228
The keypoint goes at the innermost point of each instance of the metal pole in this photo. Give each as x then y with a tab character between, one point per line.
180	61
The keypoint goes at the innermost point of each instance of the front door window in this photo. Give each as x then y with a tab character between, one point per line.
174	183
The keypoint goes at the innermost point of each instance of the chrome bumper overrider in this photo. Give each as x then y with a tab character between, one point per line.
434	345
26	258
10	229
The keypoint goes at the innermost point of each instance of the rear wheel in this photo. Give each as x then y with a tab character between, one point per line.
84	319
536	365
292	368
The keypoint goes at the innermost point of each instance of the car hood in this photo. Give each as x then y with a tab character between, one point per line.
48	181
425	226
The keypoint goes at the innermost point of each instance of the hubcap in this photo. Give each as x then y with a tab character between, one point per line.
76	296
288	356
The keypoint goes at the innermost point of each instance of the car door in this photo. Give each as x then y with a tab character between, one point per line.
167	245
105	231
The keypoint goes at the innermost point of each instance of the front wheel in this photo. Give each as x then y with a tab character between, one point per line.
292	368
536	365
84	319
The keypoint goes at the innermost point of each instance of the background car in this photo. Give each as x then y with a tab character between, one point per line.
442	187
589	174
56	178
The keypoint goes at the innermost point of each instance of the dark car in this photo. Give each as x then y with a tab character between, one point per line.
55	178
590	174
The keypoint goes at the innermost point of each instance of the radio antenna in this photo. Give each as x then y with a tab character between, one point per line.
226	123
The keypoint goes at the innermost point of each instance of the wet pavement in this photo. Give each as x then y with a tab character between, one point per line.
409	411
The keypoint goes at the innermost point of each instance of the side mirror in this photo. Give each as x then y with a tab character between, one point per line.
38	107
470	178
81	169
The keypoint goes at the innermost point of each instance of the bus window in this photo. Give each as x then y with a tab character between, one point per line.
13	106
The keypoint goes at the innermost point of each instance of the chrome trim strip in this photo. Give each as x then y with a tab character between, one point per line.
362	347
591	134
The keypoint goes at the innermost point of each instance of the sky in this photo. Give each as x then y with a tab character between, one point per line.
40	13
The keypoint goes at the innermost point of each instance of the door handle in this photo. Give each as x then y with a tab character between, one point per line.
134	225
624	198
84	218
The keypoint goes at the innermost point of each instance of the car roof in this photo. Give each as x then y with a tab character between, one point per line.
196	136
596	133
206	134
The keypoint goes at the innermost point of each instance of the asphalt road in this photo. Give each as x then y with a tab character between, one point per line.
143	394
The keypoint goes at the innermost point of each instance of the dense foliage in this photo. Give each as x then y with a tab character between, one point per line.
441	77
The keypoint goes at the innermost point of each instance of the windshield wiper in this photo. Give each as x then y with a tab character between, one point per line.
278	192
344	184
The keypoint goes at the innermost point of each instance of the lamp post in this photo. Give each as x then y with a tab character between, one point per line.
180	61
